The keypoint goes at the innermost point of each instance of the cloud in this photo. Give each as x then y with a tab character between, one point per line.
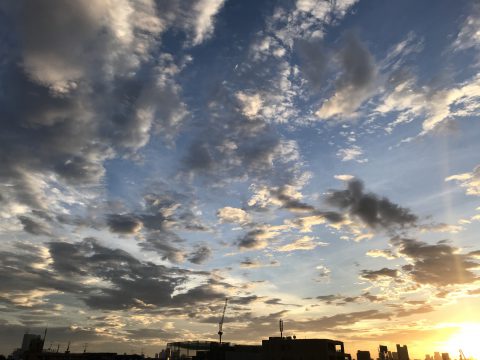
231	147
289	198
369	208
200	255
34	227
124	224
233	215
469	180
441	227
387	254
251	104
374	275
254	239
322	273
469	34
203	17
344	177
438	106
439	264
313	61
351	153
89	92
303	243
355	84
254	263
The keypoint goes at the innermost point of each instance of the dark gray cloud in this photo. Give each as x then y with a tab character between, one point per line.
165	243
79	92
313	61
371	209
34	227
376	274
356	81
123	224
357	63
253	239
200	255
437	264
126	282
342	300
289	202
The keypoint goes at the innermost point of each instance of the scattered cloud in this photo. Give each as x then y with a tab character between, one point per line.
439	264
387	254
356	83
233	215
374	275
303	243
352	153
369	208
469	180
200	255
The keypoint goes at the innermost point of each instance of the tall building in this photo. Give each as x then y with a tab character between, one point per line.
436	356
363	355
445	356
402	352
383	352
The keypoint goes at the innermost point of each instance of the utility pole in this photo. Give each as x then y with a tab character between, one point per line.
220	324
280	323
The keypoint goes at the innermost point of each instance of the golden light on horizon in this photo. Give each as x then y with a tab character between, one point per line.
466	339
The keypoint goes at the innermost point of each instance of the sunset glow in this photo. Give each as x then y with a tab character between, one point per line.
229	171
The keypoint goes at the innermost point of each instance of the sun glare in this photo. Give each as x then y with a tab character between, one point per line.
465	339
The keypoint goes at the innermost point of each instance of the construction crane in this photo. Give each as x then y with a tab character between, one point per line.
280	323
220	324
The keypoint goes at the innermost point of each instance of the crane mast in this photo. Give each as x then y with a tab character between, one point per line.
220	324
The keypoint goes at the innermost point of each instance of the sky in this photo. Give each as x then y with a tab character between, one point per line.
312	161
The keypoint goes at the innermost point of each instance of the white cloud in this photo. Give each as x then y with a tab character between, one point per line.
323	273
233	215
387	254
344	177
251	104
352	153
303	243
469	34
469	180
205	11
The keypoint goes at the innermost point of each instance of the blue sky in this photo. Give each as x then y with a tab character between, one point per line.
313	161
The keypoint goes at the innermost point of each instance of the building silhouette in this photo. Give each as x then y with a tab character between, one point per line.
402	352
277	348
363	355
383	353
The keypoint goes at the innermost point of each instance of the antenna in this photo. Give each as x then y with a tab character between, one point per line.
220	324
280	323
68	348
85	348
